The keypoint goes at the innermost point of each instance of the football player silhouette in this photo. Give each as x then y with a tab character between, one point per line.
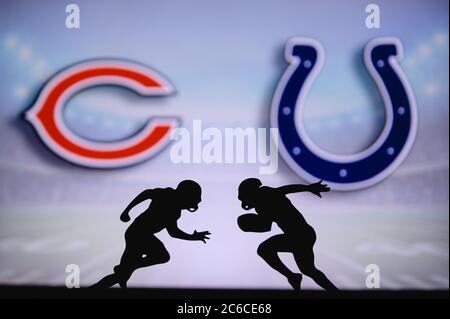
143	248
271	205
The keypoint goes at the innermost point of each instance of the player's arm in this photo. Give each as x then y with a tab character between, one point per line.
254	223
145	195
315	188
176	232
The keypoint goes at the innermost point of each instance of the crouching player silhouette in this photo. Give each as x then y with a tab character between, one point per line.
143	249
272	205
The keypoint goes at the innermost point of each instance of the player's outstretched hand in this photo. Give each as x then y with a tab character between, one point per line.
203	235
318	188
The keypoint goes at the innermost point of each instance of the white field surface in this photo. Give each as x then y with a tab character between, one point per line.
410	247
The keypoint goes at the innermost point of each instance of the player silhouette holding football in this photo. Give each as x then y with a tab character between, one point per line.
272	205
143	249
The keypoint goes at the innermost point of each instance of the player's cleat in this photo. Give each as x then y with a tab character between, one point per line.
295	281
122	281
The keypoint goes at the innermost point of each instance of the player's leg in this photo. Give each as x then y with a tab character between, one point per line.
138	254
154	253
107	281
269	249
122	272
128	263
304	257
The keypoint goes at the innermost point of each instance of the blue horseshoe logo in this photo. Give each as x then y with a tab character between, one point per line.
354	171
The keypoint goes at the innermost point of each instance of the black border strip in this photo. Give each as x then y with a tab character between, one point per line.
42	292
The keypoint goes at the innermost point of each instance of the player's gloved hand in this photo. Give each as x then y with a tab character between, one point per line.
125	217
201	235
318	188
